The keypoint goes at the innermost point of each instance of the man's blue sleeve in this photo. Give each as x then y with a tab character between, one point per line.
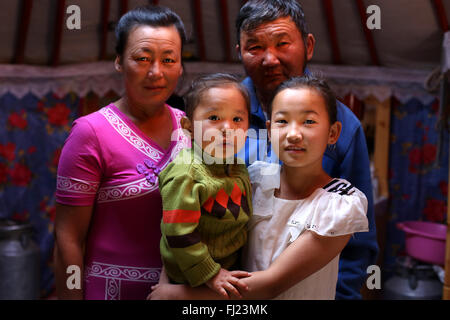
362	249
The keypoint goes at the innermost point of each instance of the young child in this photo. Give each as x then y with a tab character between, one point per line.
302	217
206	193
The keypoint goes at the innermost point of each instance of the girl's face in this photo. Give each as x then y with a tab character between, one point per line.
300	128
221	121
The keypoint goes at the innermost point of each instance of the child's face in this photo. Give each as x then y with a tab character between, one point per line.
300	128
220	121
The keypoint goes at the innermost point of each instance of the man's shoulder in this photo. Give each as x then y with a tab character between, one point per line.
346	116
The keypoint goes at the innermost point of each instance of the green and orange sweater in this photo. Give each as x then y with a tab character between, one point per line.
206	208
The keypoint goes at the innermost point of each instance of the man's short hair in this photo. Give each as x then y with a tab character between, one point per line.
256	12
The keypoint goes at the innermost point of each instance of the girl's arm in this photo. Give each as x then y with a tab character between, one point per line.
306	255
71	226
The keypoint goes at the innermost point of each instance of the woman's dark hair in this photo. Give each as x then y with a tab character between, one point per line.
310	82
153	16
256	12
194	95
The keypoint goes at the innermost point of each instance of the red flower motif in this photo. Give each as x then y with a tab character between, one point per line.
58	115
43	205
20	175
415	156
52	213
8	151
435	210
443	185
435	106
40	106
3	172
429	153
32	150
20	216
56	155
16	120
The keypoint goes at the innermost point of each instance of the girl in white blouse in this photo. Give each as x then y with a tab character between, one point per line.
302	218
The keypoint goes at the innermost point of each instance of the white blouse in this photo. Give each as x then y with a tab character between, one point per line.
334	210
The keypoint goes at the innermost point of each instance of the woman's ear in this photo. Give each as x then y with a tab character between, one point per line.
238	51
186	124
335	131
118	63
268	128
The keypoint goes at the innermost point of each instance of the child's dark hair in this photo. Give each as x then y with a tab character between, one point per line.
310	82
193	96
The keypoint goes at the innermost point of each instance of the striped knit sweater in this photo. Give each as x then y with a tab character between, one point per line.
206	208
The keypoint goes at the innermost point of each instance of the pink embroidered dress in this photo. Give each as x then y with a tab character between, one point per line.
108	163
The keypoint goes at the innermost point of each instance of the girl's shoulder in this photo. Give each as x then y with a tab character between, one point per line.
264	175
336	209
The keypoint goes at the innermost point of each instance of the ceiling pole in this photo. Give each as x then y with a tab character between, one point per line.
106	5
442	18
225	29
367	33
19	55
59	22
123	7
199	29
328	7
443	22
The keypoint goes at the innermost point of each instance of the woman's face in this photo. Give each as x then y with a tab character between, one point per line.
151	64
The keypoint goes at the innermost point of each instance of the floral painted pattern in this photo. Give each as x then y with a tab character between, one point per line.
32	133
418	177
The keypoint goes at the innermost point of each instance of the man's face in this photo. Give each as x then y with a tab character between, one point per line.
274	52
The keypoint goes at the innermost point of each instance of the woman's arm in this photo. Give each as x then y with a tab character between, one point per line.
71	227
306	255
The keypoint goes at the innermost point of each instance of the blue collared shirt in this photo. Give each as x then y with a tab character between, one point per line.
348	160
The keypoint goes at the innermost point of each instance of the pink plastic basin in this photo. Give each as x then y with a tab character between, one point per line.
425	241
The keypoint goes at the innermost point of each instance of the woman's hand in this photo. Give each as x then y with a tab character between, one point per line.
164	291
163	278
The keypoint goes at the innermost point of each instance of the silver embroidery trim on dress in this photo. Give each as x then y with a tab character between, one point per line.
112	271
126	191
115	274
76	185
135	188
112	289
129	135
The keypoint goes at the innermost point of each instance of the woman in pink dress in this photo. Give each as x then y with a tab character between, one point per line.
108	203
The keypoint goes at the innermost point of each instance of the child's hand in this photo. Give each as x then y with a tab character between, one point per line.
228	282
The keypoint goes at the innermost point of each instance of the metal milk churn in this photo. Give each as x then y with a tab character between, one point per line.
19	262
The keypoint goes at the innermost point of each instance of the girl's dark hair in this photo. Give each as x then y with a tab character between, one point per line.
310	82
193	96
153	16
256	12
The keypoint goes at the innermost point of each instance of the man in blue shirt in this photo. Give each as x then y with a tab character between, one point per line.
274	45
